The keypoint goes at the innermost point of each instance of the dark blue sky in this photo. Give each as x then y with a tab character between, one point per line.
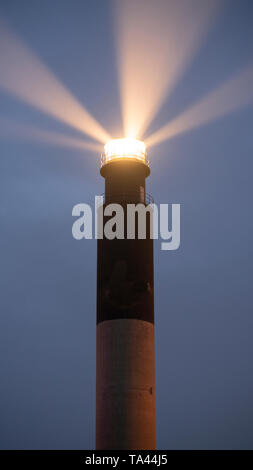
203	296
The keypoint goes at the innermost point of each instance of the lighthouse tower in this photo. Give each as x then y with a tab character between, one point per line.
125	358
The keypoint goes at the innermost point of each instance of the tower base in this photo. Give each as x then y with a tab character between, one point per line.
125	407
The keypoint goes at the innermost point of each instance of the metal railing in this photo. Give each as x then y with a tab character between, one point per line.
105	159
129	197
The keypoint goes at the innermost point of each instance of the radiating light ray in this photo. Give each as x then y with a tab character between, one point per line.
230	96
9	128
155	42
23	75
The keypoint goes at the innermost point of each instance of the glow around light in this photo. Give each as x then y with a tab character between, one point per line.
155	44
22	74
124	148
228	97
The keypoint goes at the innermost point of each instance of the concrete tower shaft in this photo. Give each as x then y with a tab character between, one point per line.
125	384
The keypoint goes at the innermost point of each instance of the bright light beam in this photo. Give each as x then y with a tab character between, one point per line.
23	75
9	128
230	96
155	43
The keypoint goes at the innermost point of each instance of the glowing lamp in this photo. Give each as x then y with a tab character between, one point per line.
127	148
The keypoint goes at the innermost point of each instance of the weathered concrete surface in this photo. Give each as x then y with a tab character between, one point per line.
125	406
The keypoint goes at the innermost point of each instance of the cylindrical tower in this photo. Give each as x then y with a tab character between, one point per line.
125	375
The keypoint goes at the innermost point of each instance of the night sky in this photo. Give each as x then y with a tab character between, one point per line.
203	291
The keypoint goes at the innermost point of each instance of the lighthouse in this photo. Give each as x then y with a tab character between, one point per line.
125	349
